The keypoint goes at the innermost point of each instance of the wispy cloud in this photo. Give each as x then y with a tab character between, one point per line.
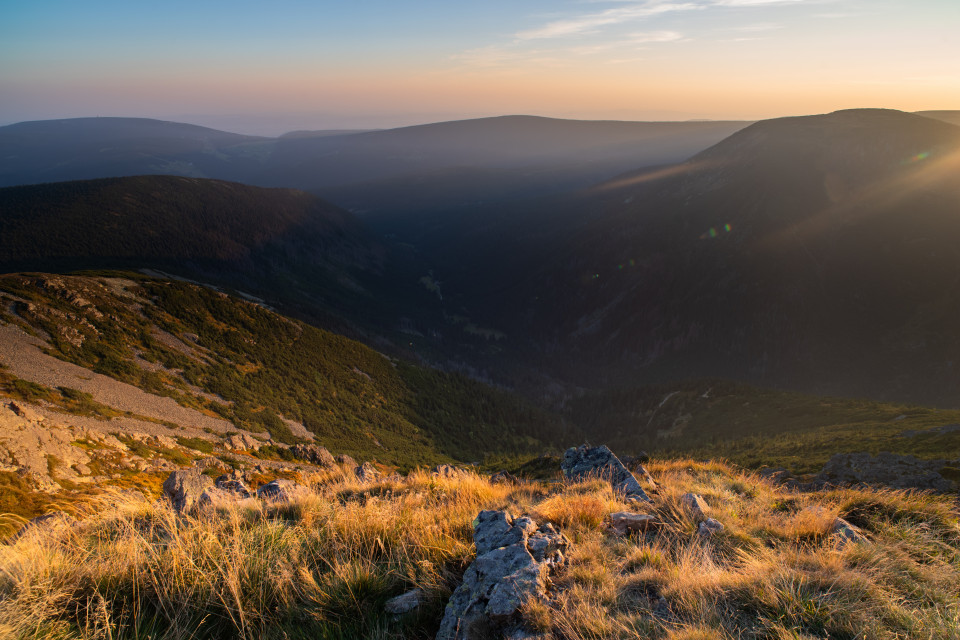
592	21
758	27
634	11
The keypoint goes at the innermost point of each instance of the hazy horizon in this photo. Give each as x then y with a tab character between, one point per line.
268	70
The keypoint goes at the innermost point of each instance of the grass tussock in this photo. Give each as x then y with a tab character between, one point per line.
324	566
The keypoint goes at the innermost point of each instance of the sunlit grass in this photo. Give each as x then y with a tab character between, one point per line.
324	566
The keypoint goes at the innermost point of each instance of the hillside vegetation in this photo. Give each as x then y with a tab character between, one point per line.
324	565
755	427
238	360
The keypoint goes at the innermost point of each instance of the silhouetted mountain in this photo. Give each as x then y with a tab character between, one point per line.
368	170
953	117
815	252
284	245
85	148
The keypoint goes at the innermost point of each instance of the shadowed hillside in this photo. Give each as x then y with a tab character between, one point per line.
816	253
283	245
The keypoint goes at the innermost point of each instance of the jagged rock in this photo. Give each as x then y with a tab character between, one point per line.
504	477
46	522
447	471
696	505
584	462
404	603
214	497
346	461
211	462
243	442
624	523
892	470
314	454
184	487
282	490
709	527
367	473
234	482
514	558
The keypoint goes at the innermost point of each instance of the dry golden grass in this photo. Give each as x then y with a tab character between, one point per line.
323	567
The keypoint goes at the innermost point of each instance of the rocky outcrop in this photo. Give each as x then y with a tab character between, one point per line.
243	442
227	490
514	559
581	463
184	487
314	454
234	482
367	472
889	469
282	490
447	471
346	461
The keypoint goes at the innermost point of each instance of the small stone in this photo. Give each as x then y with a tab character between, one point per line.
709	527
845	532
282	490
404	603
624	522
504	477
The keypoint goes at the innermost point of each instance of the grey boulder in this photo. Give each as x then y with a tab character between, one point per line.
582	463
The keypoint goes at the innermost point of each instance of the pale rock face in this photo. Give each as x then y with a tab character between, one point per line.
514	559
243	442
696	505
314	454
367	473
624	522
184	488
41	451
580	463
709	527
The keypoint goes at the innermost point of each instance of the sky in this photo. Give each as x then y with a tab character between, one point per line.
269	67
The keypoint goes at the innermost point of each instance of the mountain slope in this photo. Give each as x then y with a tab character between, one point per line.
283	245
237	361
815	252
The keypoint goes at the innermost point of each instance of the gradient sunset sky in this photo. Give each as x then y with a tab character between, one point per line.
268	67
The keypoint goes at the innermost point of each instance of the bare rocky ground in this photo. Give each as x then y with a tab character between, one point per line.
23	356
53	449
